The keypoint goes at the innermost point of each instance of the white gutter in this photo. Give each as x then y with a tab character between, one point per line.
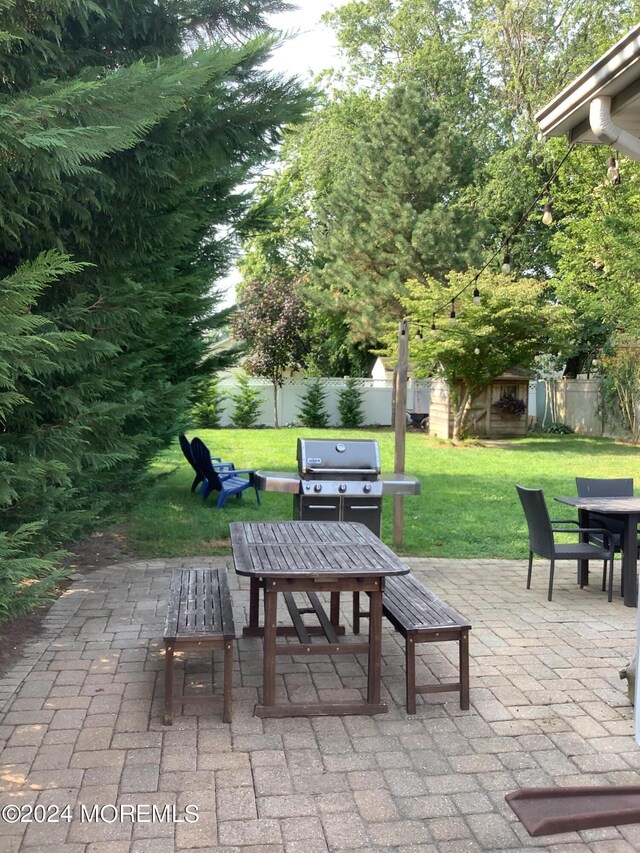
608	132
609	75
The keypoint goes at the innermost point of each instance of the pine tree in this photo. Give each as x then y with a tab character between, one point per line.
399	211
247	404
312	412
350	404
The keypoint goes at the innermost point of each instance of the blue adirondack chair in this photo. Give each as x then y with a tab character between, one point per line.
218	478
185	445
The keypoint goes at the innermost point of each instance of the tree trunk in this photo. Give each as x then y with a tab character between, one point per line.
275	405
462	406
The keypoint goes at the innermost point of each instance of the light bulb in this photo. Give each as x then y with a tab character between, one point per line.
613	172
547	216
477	351
419	333
506	263
476	296
452	313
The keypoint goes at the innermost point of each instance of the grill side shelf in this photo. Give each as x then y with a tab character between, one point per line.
278	481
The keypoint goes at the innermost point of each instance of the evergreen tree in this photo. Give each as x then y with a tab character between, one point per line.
247	404
207	413
125	136
350	404
312	412
400	211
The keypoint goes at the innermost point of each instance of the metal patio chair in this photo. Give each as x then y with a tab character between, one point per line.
606	487
542	533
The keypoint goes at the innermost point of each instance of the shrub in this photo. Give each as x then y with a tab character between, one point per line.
312	412
26	579
558	428
247	404
350	404
208	410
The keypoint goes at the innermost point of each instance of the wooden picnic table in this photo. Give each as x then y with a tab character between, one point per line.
311	557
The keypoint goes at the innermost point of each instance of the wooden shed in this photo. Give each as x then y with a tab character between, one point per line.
499	411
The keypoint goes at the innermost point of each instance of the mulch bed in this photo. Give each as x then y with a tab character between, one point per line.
103	548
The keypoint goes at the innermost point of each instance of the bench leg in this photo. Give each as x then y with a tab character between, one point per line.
410	655
464	671
228	682
356	612
168	683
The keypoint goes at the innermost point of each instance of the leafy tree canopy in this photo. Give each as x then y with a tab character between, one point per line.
511	325
401	210
270	320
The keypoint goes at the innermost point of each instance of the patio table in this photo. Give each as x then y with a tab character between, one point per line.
310	557
628	510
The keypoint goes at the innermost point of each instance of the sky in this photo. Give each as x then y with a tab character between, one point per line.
310	49
314	48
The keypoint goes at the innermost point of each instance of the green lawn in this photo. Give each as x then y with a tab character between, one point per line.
468	505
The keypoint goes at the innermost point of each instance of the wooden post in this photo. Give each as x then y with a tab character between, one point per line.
400	419
393	396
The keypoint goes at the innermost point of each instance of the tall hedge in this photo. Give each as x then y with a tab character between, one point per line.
126	131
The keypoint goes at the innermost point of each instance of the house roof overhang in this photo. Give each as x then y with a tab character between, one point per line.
615	75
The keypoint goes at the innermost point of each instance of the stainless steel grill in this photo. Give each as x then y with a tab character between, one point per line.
338	481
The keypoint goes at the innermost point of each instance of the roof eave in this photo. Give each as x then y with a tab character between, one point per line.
609	75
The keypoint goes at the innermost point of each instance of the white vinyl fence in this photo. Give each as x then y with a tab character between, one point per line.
571	401
376	394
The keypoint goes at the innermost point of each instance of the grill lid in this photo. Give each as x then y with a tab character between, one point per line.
320	457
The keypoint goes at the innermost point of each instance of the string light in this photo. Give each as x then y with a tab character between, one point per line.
506	261
547	219
613	171
419	334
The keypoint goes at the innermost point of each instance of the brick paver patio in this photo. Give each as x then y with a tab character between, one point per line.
82	727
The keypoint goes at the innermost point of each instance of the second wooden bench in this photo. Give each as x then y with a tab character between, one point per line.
422	617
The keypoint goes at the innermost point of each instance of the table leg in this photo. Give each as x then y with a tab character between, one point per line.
254	602
630	560
583	565
334	612
375	647
269	646
253	629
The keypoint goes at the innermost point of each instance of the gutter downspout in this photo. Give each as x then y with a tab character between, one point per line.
608	132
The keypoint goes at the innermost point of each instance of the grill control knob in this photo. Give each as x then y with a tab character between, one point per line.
317	487
366	488
342	488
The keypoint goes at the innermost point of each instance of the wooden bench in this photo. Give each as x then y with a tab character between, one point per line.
199	616
422	617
